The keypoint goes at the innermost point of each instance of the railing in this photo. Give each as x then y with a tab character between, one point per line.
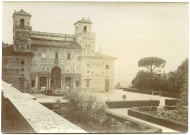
22	114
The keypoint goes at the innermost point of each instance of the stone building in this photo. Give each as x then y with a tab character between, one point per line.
41	60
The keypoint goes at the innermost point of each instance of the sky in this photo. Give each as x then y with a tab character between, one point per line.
128	31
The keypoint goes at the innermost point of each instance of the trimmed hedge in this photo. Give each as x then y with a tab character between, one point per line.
133	103
172	95
170	102
163	122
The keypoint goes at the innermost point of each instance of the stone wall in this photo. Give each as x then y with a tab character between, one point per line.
25	115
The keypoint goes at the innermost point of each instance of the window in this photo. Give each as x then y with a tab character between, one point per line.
28	47
43	55
88	65
33	83
77	83
22	22
107	66
22	62
22	48
85	28
22	69
87	71
56	55
68	56
87	83
92	74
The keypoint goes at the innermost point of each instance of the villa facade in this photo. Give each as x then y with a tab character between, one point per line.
38	60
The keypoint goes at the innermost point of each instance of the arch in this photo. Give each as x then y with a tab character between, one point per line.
22	22
55	77
84	28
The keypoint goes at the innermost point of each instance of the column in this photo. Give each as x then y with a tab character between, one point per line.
36	82
47	86
74	82
49	83
63	81
39	82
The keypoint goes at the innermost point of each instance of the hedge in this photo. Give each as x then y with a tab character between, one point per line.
172	95
170	102
133	103
163	122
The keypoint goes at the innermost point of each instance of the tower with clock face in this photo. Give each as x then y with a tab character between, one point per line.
21	31
84	36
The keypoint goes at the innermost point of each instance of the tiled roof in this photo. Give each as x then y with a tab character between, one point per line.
100	56
55	43
9	51
21	12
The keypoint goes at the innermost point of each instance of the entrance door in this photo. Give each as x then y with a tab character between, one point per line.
56	78
43	81
106	85
68	82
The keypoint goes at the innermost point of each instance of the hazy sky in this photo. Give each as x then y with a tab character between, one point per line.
128	31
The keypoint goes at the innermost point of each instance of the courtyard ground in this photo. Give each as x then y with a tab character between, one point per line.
116	95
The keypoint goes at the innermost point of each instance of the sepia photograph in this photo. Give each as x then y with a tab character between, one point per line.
94	67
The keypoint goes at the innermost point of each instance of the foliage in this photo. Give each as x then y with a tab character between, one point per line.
172	82
87	112
177	115
144	80
151	63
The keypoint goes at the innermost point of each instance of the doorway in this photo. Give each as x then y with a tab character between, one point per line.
43	81
56	78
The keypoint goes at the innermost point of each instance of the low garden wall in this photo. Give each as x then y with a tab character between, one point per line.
134	103
154	119
21	114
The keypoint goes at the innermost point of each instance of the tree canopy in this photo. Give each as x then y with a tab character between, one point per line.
151	63
174	81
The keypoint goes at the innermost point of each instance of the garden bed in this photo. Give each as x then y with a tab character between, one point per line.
152	116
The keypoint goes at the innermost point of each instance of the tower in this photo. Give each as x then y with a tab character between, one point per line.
21	31
84	36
